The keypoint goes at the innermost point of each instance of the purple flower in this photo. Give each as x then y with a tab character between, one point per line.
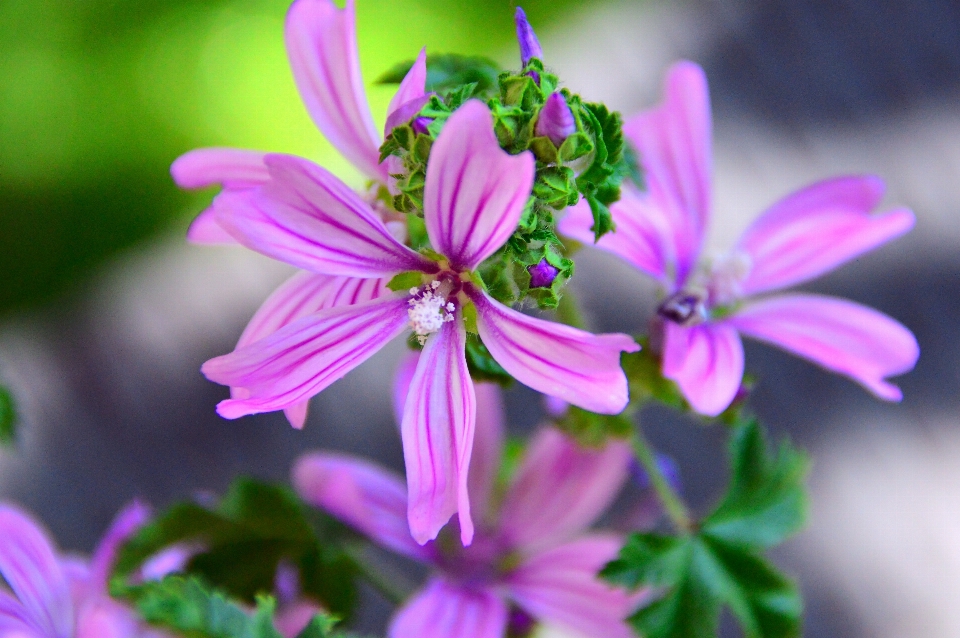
555	120
56	596
529	45
322	47
531	549
473	198
708	305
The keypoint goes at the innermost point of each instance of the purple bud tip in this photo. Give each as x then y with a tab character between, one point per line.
520	623
542	275
420	125
529	45
667	466
555	120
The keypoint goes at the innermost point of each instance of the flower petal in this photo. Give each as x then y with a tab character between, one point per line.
127	522
413	87
642	236
362	495
560	489
442	610
234	168
706	361
437	432
303	294
674	143
560	586
307	217
839	335
475	191
816	229
30	567
556	359
487	446
14	619
303	358
322	46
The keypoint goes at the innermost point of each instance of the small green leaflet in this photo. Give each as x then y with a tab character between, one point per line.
448	71
254	527
721	563
591	429
188	606
8	418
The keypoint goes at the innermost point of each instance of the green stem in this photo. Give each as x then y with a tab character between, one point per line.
672	503
393	591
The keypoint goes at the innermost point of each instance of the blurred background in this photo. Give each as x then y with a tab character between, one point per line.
106	313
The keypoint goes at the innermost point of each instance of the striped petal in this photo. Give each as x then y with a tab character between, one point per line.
475	191
15	620
124	525
560	587
411	90
321	43
234	169
443	610
706	361
305	357
29	565
816	229
839	335
560	489
674	142
437	431
555	359
363	495
307	217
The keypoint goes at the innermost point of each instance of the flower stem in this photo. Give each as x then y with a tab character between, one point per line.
671	501
389	587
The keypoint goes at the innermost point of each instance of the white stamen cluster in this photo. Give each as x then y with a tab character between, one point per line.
428	311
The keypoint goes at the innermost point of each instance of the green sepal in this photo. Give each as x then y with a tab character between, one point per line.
544	150
556	186
497	274
404	281
417	233
593	430
575	147
720	564
482	365
8	418
253	529
469	313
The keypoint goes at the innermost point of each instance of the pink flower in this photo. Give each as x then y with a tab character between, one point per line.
709	304
56	596
322	47
473	198
531	549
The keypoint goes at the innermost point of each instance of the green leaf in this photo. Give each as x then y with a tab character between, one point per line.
8	418
255	527
482	365
720	564
766	501
406	280
602	219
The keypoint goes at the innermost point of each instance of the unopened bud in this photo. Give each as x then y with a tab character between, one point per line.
542	274
529	45
420	125
556	121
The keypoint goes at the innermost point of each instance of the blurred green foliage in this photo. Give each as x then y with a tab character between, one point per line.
98	97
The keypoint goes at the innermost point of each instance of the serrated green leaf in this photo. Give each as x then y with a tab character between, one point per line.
404	281
255	527
653	560
602	218
766	501
8	418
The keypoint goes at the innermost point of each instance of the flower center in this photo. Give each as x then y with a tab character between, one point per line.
429	310
684	308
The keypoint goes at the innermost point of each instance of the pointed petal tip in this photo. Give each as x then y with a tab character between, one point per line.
529	44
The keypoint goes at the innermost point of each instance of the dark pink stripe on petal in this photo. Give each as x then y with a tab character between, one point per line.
437	430
443	610
306	356
706	361
560	587
558	360
560	490
322	47
840	335
475	191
